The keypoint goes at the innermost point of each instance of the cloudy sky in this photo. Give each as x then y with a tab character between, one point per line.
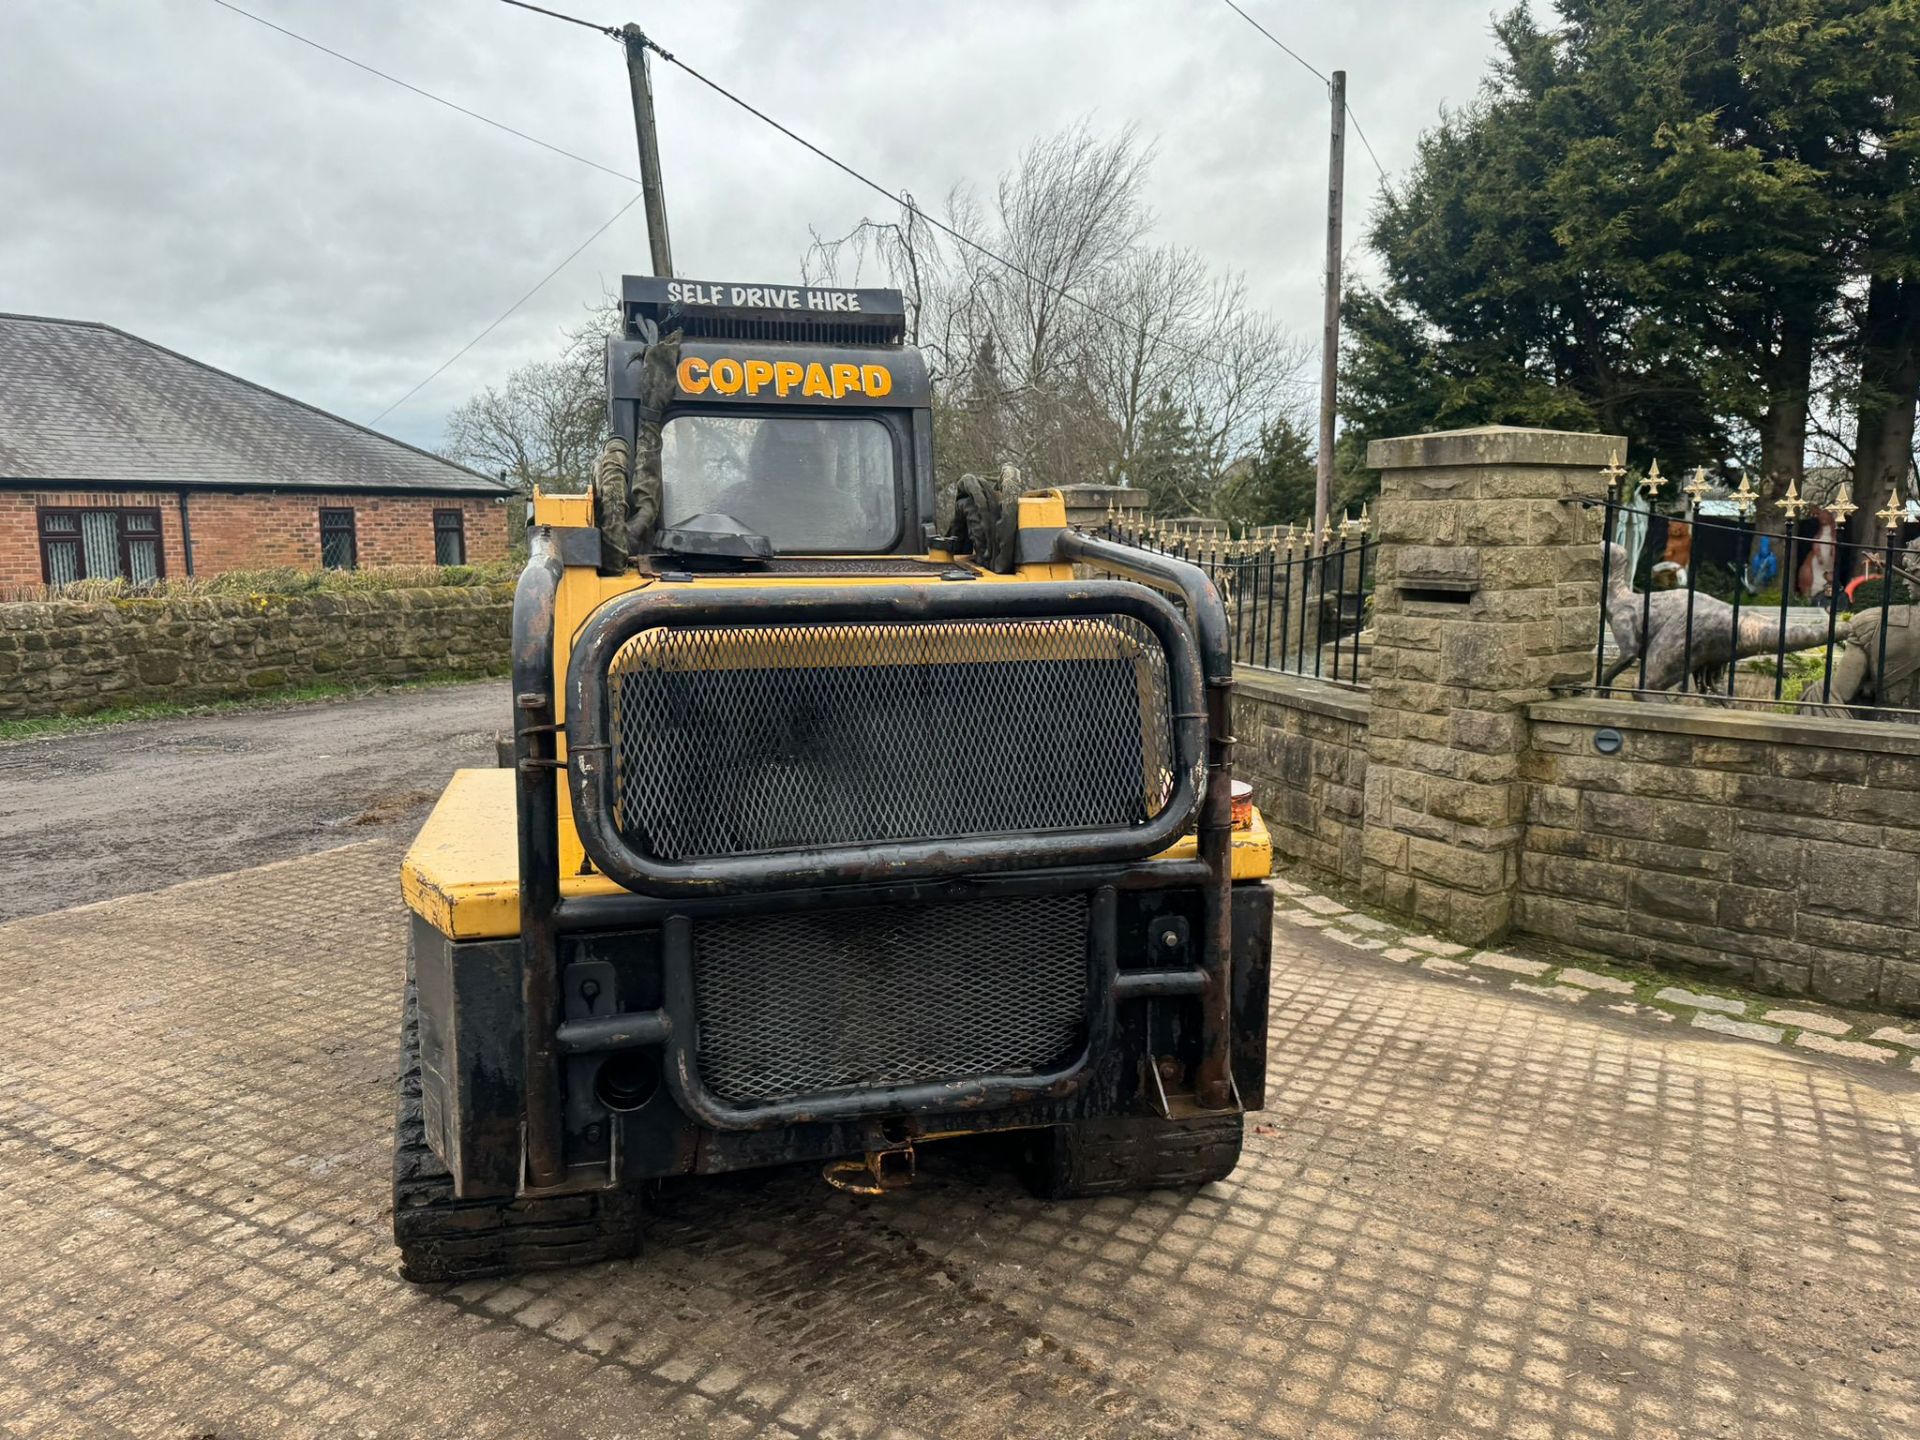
187	174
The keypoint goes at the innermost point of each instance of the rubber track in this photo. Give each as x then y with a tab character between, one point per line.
1125	1153
444	1238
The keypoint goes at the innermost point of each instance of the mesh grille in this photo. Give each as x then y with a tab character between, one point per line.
876	330
794	1004
734	741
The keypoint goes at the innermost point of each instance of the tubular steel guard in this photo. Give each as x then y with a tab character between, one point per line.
592	734
1214	1079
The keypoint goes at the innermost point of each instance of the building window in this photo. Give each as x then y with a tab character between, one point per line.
339	547
449	537
100	544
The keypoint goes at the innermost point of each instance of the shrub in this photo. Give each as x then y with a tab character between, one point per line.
284	580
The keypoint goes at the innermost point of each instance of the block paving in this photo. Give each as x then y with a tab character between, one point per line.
1466	1211
1869	1038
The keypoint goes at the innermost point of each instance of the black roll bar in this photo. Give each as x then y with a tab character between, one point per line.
590	736
1213	1083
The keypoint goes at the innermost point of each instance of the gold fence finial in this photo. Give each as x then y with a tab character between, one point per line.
1745	497
1895	511
1654	482
1696	488
1613	470
1842	506
1791	505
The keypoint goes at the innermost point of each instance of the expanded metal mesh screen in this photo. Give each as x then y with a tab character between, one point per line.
732	741
794	1004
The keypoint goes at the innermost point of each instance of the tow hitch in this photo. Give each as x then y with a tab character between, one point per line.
875	1173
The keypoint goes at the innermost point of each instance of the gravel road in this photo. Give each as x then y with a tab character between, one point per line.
133	807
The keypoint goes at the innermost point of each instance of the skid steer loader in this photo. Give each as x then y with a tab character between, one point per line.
835	824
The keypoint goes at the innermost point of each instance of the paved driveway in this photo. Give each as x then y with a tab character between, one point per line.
1468	1212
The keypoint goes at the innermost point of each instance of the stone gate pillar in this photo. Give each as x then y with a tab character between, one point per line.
1487	594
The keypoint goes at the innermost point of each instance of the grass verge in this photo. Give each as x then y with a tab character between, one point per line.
43	727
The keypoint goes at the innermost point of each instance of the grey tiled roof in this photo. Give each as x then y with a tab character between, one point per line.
85	403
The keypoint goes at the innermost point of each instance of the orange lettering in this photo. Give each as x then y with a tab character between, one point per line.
817	382
786	375
693	375
877	380
845	378
759	372
725	375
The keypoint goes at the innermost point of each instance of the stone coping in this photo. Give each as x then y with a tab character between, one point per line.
1876	737
1333	699
1497	445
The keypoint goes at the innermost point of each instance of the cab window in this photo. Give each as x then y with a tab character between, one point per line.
809	484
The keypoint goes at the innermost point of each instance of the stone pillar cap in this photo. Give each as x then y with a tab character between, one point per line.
1496	445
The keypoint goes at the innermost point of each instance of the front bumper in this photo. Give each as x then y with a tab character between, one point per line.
631	1010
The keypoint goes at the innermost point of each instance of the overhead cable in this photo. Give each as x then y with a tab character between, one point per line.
1310	69
572	255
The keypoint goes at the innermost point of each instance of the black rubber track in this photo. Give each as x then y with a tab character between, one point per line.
443	1238
1125	1153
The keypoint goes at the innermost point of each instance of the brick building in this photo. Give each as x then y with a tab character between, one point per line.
120	457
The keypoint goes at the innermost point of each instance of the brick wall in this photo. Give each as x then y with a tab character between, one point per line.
251	531
1302	744
67	657
1781	851
257	530
20	526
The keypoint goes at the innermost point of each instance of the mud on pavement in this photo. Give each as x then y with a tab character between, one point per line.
1467	1213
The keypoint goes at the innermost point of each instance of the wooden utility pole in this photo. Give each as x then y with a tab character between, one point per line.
642	85
1330	326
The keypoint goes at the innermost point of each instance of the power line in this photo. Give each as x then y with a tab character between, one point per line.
570	19
428	94
1369	147
1318	74
901	199
605	225
1321	76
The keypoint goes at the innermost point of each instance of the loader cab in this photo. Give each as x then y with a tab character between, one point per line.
800	419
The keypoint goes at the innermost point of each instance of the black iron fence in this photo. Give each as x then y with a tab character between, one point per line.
1291	610
1716	604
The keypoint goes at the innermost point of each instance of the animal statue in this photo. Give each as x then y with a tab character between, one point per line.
1676	558
1714	646
1815	577
1856	669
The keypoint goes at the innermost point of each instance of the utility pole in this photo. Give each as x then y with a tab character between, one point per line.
1330	325
642	85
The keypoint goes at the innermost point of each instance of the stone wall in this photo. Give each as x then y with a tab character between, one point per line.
1781	851
1302	744
66	657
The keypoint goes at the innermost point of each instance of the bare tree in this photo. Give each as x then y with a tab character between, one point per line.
1053	363
543	425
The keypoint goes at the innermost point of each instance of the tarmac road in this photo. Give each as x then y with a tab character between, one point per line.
1464	1213
134	807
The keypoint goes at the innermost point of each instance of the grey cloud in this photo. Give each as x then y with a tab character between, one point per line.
188	175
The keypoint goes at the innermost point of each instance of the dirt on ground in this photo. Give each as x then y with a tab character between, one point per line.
132	807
